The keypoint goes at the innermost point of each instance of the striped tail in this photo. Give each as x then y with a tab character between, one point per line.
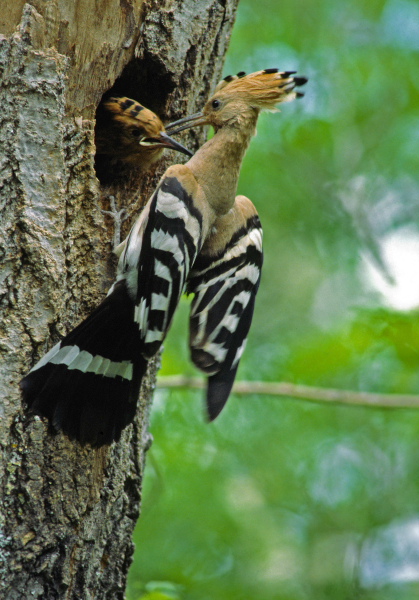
88	384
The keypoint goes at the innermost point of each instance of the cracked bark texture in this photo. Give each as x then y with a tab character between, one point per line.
67	512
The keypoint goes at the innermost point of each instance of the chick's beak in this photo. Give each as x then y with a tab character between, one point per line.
165	141
186	123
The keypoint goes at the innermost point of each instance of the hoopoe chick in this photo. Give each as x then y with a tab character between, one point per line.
127	131
192	235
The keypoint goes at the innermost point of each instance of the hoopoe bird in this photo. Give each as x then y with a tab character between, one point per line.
127	131
193	235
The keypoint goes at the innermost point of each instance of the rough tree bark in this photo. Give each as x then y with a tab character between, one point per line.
67	512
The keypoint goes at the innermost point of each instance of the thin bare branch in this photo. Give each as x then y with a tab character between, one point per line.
301	392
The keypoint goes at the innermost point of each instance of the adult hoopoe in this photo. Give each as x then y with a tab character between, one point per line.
193	234
131	133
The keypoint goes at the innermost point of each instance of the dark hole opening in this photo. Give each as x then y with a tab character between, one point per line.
145	81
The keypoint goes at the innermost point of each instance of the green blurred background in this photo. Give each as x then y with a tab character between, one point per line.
281	499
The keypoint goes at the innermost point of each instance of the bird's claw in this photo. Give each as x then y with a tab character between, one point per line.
118	216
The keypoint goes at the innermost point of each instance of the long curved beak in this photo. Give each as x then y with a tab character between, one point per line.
165	141
186	123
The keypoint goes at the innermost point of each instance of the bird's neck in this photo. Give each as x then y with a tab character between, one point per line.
216	165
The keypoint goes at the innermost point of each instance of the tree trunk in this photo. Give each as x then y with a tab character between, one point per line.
67	512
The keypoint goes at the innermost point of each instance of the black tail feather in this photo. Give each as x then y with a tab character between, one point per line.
89	407
218	391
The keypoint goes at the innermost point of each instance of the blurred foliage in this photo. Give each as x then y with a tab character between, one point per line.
281	499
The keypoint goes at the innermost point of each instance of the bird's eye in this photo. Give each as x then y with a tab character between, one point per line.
136	132
215	104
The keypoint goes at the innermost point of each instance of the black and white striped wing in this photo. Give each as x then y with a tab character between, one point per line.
157	258
225	284
88	384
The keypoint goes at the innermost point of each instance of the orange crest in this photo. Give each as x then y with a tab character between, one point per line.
125	109
262	89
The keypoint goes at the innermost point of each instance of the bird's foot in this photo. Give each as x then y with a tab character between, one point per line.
118	216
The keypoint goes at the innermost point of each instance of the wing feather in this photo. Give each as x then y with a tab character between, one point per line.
224	280
88	384
160	262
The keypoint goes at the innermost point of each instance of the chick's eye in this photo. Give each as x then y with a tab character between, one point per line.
215	104
135	132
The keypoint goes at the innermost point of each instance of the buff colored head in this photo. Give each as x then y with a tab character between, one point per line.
240	96
132	133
